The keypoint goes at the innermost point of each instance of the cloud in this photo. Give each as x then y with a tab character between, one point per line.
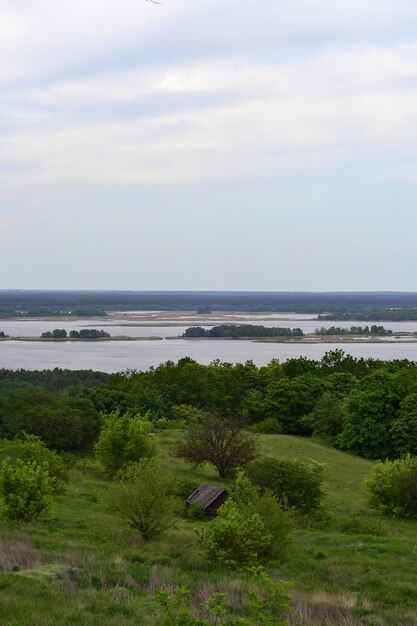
185	115
251	119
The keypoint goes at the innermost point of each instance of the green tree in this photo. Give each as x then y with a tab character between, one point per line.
290	399
62	420
29	448
143	498
326	419
124	439
220	442
25	489
404	428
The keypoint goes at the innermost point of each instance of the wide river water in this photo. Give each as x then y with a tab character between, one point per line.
113	356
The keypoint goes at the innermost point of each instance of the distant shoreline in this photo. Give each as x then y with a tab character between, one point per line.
307	339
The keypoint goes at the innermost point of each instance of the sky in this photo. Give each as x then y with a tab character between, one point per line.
207	144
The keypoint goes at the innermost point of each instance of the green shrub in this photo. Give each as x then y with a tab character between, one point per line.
250	527
392	486
143	499
185	413
293	482
124	439
195	512
356	525
270	426
184	487
25	489
31	448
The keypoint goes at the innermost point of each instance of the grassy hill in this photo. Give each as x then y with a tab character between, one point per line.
82	566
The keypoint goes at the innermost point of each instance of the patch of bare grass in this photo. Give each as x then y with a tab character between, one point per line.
17	553
324	609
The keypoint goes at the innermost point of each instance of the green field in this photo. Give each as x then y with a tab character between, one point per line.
82	566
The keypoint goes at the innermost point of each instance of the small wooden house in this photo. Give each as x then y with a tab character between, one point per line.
209	497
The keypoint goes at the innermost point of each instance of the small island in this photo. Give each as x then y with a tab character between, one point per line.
84	333
353	330
241	331
276	334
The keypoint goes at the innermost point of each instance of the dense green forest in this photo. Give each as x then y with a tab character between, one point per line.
364	406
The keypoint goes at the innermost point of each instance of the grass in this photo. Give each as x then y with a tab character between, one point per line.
82	566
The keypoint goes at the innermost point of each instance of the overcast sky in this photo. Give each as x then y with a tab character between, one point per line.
208	144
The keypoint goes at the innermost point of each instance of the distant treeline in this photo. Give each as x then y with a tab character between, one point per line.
92	303
84	333
373	315
50	311
353	330
237	331
51	380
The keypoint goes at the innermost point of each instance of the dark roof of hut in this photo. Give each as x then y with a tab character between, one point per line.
205	495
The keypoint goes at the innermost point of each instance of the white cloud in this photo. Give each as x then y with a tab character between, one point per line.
267	118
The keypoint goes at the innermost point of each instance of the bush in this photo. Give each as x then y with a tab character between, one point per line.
392	486
269	426
29	448
144	499
356	525
25	489
184	487
124	439
250	527
293	483
185	413
195	512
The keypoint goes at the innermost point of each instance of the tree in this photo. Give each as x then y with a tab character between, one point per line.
29	448
326	419
404	429
144	499
290	399
63	421
218	441
25	489
124	439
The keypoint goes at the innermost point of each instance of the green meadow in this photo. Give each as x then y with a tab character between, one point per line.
349	566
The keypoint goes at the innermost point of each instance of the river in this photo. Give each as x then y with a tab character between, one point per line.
113	356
